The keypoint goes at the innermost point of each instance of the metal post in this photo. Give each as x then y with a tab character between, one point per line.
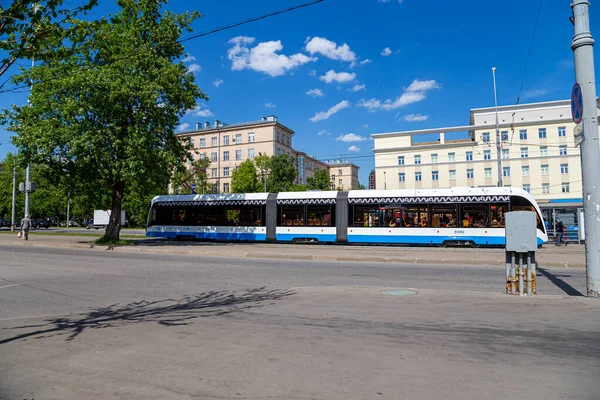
582	46
27	184
498	146
384	181
14	197
529	276
264	176
68	208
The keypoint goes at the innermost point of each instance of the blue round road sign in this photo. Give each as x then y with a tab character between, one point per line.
576	103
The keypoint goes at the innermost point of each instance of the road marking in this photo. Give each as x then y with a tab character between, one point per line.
7	286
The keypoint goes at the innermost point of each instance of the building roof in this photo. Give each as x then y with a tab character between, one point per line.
219	126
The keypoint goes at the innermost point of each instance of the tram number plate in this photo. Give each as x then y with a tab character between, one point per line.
459	232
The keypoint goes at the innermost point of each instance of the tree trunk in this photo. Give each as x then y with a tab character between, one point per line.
114	223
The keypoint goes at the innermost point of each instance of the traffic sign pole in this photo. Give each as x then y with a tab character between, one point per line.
582	46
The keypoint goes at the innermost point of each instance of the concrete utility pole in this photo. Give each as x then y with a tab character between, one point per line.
14	194
498	141
27	187
582	46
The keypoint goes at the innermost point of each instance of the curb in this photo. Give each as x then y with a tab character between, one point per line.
209	253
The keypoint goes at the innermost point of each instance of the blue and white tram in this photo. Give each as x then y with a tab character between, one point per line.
456	216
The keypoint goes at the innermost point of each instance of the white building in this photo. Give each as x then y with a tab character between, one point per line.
538	154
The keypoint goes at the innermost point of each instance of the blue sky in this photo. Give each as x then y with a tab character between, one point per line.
327	71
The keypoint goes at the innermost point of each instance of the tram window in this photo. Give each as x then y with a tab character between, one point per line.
367	216
497	212
443	215
522	204
292	216
474	216
416	216
392	216
319	216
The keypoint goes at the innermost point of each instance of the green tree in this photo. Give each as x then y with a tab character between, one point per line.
25	24
282	173
105	108
244	178
298	188
319	180
184	177
263	169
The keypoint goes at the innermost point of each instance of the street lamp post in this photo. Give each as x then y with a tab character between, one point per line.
498	141
384	181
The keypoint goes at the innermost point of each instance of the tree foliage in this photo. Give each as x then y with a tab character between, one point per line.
24	24
282	173
244	178
196	174
319	180
106	107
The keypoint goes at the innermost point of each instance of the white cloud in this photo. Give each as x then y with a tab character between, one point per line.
358	88
350	137
415	118
217	82
321	133
315	93
417	91
194	68
386	52
312	72
270	105
353	149
387	1
365	126
183	127
263	57
367	61
200	111
329	49
533	93
188	59
326	114
339	77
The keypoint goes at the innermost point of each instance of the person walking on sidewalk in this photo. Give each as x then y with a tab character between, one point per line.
25	226
560	227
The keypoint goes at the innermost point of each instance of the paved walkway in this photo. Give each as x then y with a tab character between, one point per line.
571	256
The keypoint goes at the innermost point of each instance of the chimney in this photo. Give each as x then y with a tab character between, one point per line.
263	119
206	124
271	118
442	138
217	123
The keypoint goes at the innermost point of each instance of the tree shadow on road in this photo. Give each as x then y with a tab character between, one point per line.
561	284
168	312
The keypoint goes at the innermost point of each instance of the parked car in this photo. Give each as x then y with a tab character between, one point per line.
40	223
89	224
4	223
71	223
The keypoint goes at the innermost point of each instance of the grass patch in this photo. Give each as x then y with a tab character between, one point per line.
51	233
112	242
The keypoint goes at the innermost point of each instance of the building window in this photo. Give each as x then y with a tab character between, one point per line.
565	188
525	170
488	172
545	169
452	175
524	152
251	137
339	172
523	134
213	141
251	153
278	137
213	173
226	171
225	156
504	135
226	188
434	158
238	155
238	138
487	154
506	171
470	174
469	156
401	177
435	176
451	157
400	160
225	140
287	141
564	168
332	178
562	131
340	183
542	133
544	151
563	150
527	188
417	160
485	136
213	157
192	141
418	177
505	154
545	188
202	142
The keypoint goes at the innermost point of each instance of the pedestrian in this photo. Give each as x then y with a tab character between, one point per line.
547	225
560	227
25	226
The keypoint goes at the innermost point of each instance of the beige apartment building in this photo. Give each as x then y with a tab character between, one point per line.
538	153
228	145
344	175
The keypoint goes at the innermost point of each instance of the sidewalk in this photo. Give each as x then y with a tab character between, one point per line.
571	256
